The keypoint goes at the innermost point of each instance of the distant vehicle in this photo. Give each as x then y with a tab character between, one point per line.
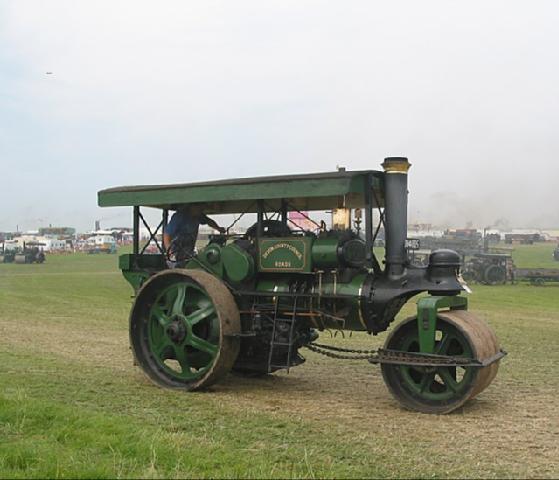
419	258
32	253
101	244
523	238
538	276
493	238
462	234
461	243
8	251
489	268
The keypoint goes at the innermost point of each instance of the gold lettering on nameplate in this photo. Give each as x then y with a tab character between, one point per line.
282	264
286	246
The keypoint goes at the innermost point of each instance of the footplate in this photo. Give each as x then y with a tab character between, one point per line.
430	360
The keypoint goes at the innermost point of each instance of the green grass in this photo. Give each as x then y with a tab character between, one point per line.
538	255
72	405
62	431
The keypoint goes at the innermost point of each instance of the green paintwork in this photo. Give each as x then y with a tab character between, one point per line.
305	192
136	269
427	317
351	292
184	306
135	278
289	254
273	285
229	262
210	258
238	264
325	253
423	381
349	299
129	261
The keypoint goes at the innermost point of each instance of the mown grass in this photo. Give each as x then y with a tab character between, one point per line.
538	255
72	405
63	432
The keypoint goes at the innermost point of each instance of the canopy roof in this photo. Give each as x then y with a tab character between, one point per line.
316	191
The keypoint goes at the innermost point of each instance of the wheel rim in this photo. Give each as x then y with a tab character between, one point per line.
183	331
441	383
495	274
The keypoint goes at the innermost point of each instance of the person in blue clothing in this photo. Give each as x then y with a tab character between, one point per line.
179	236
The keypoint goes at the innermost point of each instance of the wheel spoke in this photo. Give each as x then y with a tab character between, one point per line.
426	381
180	356
178	304
160	348
201	344
158	313
448	380
200	315
442	346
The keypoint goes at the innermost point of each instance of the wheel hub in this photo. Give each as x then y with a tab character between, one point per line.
176	331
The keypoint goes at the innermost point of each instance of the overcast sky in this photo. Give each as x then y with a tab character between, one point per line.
180	91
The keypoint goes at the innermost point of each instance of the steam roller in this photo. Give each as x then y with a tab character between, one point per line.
254	301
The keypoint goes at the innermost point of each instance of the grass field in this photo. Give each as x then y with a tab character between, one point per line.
73	405
538	255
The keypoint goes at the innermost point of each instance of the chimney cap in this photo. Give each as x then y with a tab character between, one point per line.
396	164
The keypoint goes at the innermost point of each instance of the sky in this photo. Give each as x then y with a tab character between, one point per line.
179	91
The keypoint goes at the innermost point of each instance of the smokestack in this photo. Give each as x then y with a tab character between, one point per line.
396	214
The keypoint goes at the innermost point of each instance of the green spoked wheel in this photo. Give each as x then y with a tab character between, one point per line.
494	275
442	389
182	329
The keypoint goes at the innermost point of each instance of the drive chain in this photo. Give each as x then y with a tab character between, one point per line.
398	358
328	351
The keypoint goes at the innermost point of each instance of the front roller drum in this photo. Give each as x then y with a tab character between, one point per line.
184	329
20	258
442	389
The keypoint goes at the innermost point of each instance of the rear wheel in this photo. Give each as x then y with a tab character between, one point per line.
442	389
494	275
182	329
468	275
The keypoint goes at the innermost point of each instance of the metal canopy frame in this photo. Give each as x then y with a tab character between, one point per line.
137	217
312	192
263	209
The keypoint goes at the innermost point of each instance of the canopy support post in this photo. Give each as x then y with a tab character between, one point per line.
136	238
260	218
367	192
283	211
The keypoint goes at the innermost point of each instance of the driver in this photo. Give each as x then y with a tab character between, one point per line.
180	234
